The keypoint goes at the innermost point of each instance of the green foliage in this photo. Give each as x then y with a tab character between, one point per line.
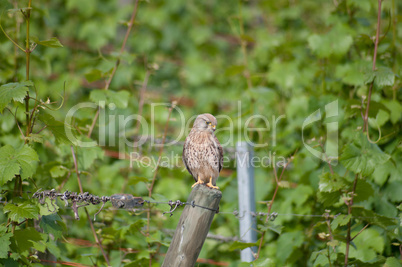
362	157
21	211
19	161
279	61
13	91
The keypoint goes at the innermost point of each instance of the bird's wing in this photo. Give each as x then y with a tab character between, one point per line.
184	158
220	149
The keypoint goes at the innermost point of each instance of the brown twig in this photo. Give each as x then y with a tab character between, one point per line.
27	15
350	204
107	84
243	45
160	151
151	187
86	211
360	232
141	103
377	40
272	200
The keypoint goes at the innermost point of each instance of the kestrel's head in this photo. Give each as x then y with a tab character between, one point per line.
205	122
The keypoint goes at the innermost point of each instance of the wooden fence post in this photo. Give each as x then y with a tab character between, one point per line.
193	227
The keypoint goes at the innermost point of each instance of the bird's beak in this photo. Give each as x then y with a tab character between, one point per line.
214	127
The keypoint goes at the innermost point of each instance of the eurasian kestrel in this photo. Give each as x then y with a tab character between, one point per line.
202	152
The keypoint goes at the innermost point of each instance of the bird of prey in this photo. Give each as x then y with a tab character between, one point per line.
202	152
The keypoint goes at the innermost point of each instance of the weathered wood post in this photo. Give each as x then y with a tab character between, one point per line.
245	180
193	227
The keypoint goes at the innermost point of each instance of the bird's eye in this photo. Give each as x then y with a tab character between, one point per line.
208	123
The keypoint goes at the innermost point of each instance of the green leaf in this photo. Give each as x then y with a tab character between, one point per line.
382	76
362	156
287	242
241	245
93	75
396	110
394	191
53	224
270	226
392	262
372	217
261	262
52	42
369	244
13	91
87	155
103	97
48	207
56	127
363	191
350	73
4	242
17	161
319	258
24	239
21	211
38	138
340	220
58	171
332	182
328	198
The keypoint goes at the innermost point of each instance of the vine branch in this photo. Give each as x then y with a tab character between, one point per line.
86	211
350	204
117	63
376	42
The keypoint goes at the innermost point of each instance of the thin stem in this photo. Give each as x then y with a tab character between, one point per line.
160	152
377	40
107	84
350	204
272	200
243	45
151	187
76	169
27	15
141	103
86	211
329	257
9	38
360	232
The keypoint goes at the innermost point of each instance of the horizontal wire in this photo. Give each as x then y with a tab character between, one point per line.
94	200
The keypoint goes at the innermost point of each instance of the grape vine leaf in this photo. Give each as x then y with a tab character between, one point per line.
56	127
17	161
13	91
331	182
241	245
22	211
340	220
24	239
4	242
53	224
382	76
372	217
364	191
363	157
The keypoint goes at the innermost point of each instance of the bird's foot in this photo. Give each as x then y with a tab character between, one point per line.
211	185
198	182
